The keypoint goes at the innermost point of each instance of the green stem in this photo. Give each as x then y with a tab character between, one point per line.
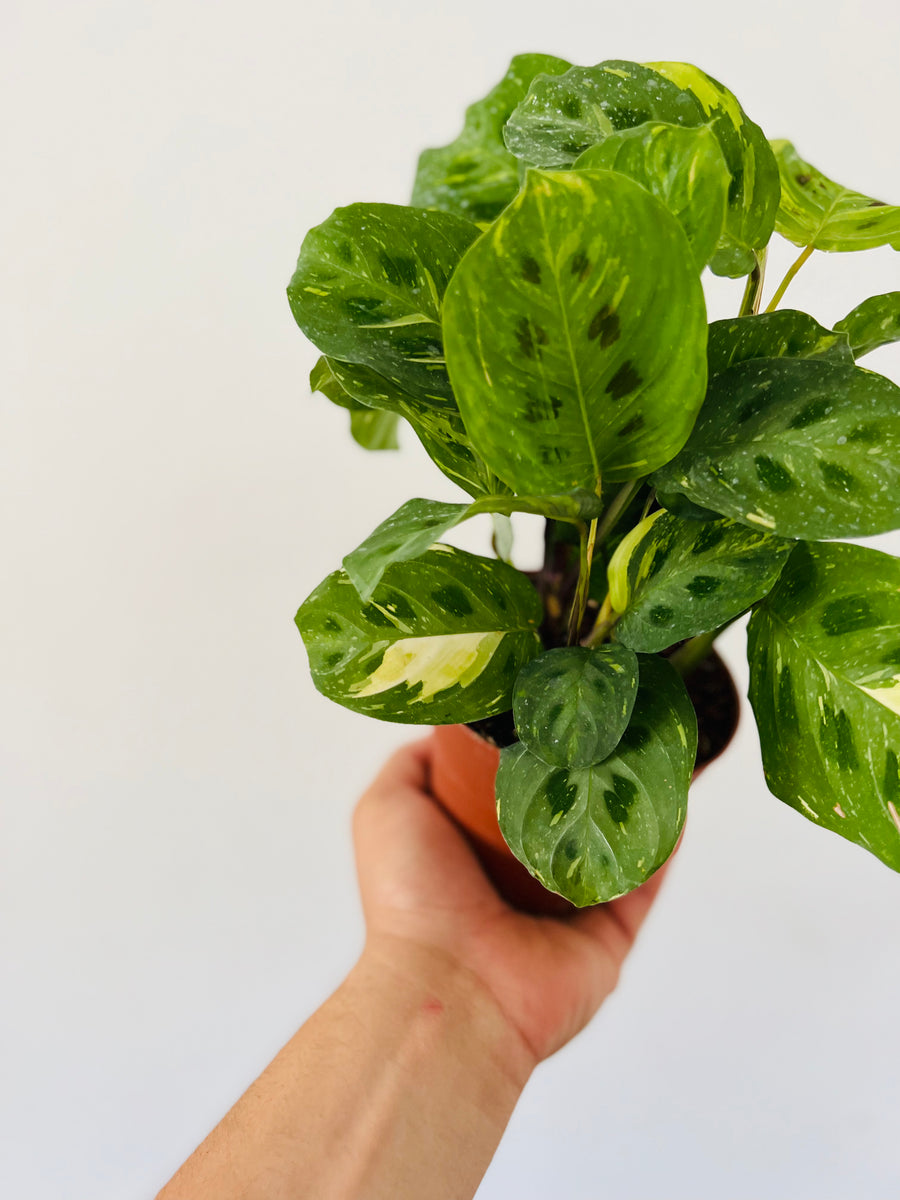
617	506
576	616
753	291
605	623
688	657
789	275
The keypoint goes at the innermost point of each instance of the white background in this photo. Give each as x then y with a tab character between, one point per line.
175	869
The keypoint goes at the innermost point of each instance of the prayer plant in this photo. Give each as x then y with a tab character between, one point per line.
537	316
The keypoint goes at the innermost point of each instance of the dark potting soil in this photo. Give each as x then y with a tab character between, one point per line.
712	693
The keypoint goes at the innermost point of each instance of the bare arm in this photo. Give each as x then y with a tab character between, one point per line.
402	1083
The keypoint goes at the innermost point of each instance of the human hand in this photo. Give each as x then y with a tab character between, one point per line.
423	888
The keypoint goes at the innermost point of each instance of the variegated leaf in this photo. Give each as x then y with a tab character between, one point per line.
797	447
577	321
440	431
594	833
368	289
418	524
572	704
785	333
672	579
441	640
475	176
824	652
816	211
682	168
374	430
872	324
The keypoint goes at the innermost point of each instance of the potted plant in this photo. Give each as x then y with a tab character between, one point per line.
537	316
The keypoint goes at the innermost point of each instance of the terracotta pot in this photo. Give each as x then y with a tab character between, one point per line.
464	765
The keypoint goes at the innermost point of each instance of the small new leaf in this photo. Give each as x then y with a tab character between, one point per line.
824	651
671	579
872	324
593	833
572	705
441	640
803	448
816	211
785	333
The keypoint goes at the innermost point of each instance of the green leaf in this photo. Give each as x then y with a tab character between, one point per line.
368	289
824	652
374	430
672	579
799	447
441	640
561	117
577	321
786	333
872	324
441	432
683	168
475	176
754	190
594	833
816	211
417	524
572	705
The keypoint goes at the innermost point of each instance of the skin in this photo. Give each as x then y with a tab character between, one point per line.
402	1083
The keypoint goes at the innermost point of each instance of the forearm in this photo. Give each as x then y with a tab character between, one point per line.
399	1086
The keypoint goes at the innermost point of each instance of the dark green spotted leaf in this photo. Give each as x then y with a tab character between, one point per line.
798	447
368	289
440	431
672	579
816	211
572	705
441	641
785	333
594	833
417	524
475	176
683	168
824	652
562	117
872	324
577	321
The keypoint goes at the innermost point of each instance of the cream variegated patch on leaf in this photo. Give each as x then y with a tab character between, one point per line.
671	579
824	651
575	334
593	833
440	641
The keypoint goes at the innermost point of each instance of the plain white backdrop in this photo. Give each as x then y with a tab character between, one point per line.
176	875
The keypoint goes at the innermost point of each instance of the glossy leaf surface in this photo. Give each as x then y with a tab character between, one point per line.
578	322
417	524
441	431
672	579
824	652
874	323
798	447
572	705
475	176
683	168
441	640
594	833
785	333
816	211
368	289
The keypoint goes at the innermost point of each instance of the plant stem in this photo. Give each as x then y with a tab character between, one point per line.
606	620
617	506
576	616
689	656
753	291
789	275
